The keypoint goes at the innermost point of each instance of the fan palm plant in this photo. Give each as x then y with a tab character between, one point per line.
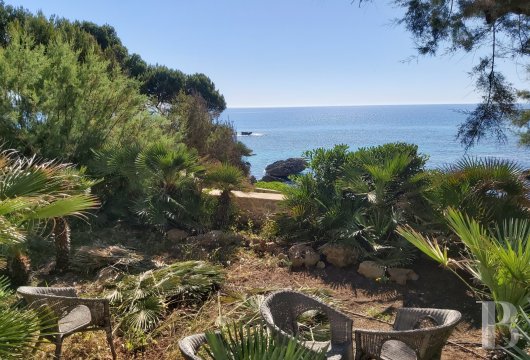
164	179
19	327
518	352
389	190
141	301
498	258
35	193
488	189
254	343
226	178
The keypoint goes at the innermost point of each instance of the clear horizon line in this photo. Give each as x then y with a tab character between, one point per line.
350	105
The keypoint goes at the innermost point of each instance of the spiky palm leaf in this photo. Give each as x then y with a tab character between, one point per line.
237	342
486	189
140	301
19	328
34	193
499	259
517	352
225	177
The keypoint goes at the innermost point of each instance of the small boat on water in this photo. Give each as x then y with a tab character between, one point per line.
246	133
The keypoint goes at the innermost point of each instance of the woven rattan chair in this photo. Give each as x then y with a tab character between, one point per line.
73	314
189	346
407	340
281	309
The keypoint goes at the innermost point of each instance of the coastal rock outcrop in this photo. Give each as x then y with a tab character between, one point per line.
282	169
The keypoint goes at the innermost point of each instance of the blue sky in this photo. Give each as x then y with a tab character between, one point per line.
285	52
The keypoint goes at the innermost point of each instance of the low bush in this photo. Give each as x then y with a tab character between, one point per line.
357	198
139	302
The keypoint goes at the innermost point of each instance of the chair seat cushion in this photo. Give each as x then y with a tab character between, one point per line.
76	319
335	352
397	350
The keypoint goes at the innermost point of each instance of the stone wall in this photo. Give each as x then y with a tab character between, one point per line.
255	205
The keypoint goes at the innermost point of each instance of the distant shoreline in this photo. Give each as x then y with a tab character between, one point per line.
344	106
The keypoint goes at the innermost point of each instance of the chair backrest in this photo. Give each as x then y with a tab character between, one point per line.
281	310
32	293
430	340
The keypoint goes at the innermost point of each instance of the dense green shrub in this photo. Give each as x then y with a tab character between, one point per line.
214	140
57	107
358	198
158	183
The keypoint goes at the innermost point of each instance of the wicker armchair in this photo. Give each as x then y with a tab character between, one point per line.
281	309
73	314
406	340
189	346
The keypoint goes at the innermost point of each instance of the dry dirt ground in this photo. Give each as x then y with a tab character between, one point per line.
351	292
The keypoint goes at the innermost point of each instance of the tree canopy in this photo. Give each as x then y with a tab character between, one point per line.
467	25
158	82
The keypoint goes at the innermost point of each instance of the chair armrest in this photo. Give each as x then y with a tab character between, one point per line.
340	323
189	346
370	342
99	310
341	326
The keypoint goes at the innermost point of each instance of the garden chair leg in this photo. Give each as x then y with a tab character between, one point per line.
58	347
111	343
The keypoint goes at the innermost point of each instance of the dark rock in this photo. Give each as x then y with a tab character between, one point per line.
285	168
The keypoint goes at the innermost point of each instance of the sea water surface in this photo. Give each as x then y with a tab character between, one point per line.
280	133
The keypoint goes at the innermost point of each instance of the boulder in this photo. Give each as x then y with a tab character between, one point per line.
371	270
303	255
340	255
284	168
175	235
321	265
401	276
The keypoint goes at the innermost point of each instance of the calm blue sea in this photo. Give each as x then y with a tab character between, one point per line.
279	133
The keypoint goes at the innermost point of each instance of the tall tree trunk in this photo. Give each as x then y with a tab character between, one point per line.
222	215
18	268
61	233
